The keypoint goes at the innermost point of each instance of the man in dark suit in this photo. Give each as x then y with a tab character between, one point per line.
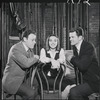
20	59
85	62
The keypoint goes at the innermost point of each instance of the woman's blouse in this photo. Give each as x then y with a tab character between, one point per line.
45	59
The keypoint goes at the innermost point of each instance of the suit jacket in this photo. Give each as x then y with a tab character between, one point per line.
14	72
87	64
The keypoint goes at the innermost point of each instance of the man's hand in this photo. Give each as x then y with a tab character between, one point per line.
37	57
69	57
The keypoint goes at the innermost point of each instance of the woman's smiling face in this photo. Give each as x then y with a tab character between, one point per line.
53	42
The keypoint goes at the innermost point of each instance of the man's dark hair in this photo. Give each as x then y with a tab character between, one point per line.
79	31
27	33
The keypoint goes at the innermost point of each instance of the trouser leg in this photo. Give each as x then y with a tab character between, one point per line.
80	92
26	92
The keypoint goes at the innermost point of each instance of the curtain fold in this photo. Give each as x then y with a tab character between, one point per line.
17	25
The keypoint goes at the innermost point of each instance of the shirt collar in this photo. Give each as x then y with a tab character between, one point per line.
26	48
51	52
78	46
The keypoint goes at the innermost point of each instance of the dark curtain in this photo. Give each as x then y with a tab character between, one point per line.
17	25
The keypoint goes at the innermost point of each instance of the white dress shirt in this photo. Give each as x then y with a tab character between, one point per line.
78	46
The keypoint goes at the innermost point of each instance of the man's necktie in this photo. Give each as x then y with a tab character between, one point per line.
30	53
76	52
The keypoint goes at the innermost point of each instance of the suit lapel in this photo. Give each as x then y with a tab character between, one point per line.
30	53
23	49
75	51
81	49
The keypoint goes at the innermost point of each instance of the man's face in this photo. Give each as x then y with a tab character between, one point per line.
30	41
74	39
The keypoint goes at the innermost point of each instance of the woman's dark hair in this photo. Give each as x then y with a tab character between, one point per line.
47	42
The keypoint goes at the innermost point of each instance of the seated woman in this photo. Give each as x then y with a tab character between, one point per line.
54	56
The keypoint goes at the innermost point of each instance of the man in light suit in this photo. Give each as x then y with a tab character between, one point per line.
19	60
84	61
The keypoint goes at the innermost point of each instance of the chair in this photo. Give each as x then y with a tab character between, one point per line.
48	93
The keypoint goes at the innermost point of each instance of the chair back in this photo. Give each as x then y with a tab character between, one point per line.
48	93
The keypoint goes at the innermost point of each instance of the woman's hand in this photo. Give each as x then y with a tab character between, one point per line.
55	64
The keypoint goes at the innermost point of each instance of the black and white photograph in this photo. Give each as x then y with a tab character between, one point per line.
50	50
